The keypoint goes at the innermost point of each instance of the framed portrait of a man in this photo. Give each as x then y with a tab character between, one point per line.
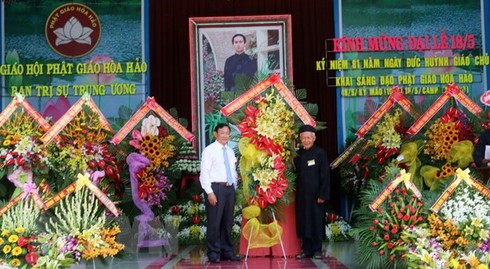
228	56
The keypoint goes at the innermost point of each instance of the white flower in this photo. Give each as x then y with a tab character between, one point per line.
465	206
24	145
73	31
150	126
338	230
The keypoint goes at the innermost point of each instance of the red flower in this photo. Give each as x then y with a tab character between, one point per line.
20	161
31	258
332	217
279	164
386	237
250	111
276	193
22	241
196	198
406	218
110	171
390	245
10	162
196	220
262	202
282	182
175	209
355	158
246	127
162	132
92	164
101	163
142	194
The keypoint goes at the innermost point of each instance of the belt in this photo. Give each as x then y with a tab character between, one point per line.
226	184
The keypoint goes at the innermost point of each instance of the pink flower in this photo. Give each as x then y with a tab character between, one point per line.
137	138
101	78
56	110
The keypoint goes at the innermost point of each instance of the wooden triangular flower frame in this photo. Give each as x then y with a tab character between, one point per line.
275	81
71	114
151	105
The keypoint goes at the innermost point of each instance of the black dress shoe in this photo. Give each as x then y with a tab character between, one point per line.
302	256
233	258
318	255
215	260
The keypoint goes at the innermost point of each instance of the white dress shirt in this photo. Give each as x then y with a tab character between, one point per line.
213	166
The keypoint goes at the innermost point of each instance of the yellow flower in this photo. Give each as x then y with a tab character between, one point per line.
19	230
5	232
15	262
482	266
483	234
16	251
13	238
455	263
473	261
7	249
1	241
468	230
426	257
476	222
194	229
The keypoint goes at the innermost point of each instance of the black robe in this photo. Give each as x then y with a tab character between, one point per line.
313	181
238	64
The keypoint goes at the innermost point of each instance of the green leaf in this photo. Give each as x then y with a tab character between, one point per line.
12	57
173	111
125	112
184	122
312	109
14	81
300	94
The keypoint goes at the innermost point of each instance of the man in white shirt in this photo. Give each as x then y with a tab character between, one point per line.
219	181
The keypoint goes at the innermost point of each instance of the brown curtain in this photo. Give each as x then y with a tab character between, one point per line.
312	23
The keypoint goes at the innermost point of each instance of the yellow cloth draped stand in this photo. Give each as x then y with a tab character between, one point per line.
258	234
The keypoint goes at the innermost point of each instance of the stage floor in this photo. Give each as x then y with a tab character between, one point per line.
338	255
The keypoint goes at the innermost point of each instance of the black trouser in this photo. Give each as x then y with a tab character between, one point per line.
310	246
220	221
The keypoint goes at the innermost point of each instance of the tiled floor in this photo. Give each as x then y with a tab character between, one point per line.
338	255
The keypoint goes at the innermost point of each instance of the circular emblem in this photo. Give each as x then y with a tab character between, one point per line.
73	30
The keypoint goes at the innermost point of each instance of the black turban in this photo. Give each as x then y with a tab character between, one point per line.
307	128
